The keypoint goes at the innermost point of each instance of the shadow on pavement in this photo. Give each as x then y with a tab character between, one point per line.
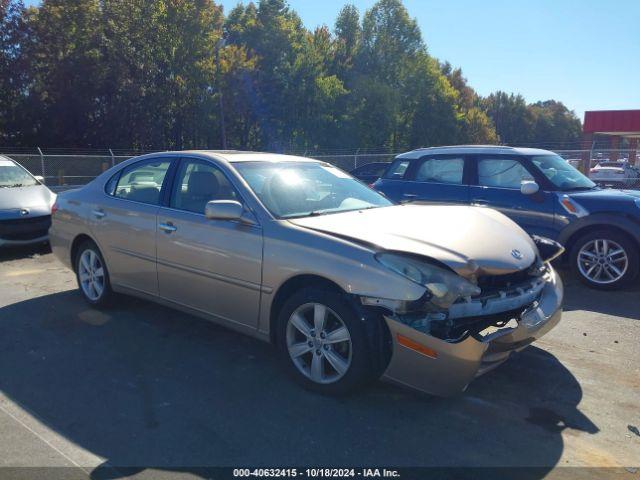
17	253
622	303
143	385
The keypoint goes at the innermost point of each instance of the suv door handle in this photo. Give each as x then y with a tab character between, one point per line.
98	213
167	227
476	202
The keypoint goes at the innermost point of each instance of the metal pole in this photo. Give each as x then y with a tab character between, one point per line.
223	134
593	146
44	176
113	158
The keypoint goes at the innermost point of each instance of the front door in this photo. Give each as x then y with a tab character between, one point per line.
124	223
498	185
214	266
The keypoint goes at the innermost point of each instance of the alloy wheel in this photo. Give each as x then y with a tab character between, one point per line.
91	273
319	343
603	261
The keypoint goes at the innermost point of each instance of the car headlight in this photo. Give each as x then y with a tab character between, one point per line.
445	286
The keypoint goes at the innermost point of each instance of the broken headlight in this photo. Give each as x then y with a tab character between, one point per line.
549	249
445	286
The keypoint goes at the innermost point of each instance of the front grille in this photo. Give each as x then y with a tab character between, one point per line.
25	228
495	283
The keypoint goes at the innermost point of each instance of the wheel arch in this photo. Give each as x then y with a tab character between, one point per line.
291	286
576	235
75	245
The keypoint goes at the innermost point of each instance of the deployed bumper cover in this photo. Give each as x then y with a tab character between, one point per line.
443	367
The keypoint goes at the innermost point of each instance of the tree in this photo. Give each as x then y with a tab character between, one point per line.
12	70
65	75
150	75
511	116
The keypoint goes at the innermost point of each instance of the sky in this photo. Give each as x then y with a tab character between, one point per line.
585	53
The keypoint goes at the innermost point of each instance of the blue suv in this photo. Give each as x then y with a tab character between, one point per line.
539	190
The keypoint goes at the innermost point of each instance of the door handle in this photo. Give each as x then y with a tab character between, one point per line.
476	202
98	213
167	227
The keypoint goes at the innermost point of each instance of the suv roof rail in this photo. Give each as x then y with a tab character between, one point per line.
502	147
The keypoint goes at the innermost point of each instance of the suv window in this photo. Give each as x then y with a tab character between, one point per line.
397	170
441	170
502	172
142	181
197	183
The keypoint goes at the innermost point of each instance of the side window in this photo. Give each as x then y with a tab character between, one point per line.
397	170
197	183
441	170
110	187
142	181
503	173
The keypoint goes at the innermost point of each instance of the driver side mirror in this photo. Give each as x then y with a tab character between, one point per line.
529	187
223	210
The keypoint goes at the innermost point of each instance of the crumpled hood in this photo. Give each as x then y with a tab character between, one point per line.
470	240
37	199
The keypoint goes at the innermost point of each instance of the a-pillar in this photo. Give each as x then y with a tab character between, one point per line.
615	147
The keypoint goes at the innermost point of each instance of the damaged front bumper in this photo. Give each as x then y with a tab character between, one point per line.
445	366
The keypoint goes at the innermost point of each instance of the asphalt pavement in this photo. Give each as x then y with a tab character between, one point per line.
142	385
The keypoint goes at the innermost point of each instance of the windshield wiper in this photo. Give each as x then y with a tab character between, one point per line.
15	185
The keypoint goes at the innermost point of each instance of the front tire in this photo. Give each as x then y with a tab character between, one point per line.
92	275
324	344
605	259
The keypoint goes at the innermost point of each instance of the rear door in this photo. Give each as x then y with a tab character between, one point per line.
437	179
497	184
124	223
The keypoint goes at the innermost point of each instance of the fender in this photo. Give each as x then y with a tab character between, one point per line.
623	222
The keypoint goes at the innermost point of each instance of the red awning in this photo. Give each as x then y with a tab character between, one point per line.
621	122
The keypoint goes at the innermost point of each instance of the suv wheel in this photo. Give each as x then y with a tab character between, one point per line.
92	275
605	259
323	343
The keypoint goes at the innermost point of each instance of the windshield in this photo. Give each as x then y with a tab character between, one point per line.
11	175
561	173
297	189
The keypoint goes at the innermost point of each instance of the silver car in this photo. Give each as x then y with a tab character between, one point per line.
25	206
293	251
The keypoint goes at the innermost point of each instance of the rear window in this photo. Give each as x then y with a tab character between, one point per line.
397	170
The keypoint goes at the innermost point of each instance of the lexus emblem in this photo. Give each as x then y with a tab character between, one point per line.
24	211
517	254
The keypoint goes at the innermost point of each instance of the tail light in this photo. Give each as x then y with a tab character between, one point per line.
54	208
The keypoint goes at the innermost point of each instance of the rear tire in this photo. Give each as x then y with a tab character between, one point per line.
340	358
605	259
92	275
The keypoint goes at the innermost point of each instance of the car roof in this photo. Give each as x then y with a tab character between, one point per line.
470	149
237	156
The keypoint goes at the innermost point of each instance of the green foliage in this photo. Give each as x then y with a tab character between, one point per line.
542	123
153	74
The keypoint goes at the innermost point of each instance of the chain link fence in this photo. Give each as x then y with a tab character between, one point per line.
610	168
